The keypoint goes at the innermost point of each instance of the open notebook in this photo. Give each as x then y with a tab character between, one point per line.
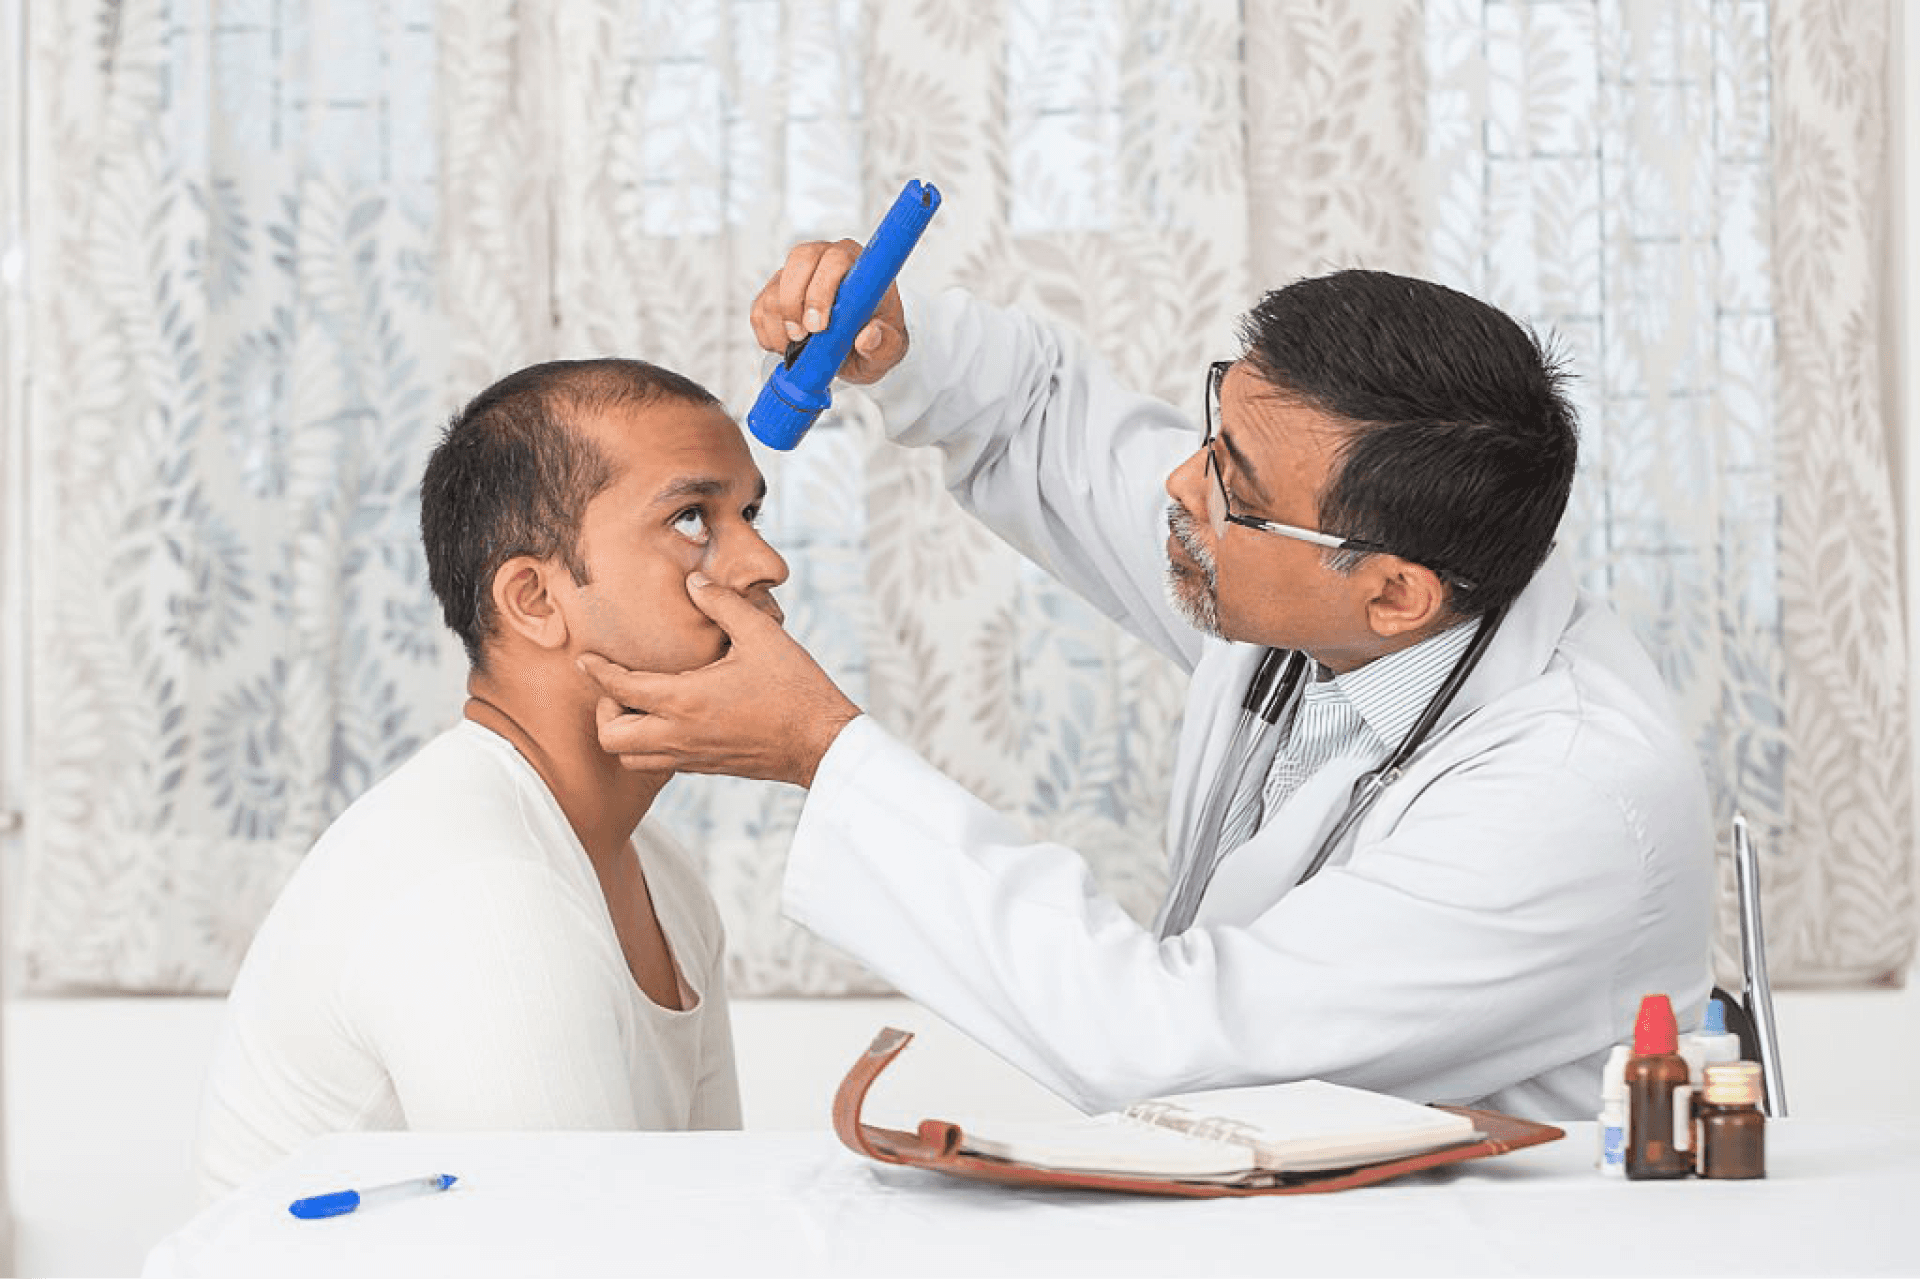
1231	1134
1286	1139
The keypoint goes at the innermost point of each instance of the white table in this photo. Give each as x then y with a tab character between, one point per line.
1839	1199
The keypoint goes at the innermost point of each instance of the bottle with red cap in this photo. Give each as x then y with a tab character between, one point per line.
1659	1100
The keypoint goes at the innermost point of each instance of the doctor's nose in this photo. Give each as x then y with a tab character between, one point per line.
1187	485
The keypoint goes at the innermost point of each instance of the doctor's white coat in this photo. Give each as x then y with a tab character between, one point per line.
1483	935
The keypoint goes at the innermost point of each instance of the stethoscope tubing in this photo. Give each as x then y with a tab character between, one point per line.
1276	682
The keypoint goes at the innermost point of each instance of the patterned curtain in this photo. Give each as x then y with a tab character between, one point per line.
237	374
275	298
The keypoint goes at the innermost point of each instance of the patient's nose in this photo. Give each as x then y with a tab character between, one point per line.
747	561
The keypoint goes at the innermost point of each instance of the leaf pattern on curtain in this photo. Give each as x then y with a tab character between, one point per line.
1842	901
281	265
238	385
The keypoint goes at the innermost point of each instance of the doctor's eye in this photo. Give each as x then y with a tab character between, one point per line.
752	514
691	524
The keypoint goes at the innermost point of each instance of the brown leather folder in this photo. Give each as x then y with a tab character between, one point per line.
937	1146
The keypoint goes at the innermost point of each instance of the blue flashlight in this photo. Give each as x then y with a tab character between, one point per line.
797	392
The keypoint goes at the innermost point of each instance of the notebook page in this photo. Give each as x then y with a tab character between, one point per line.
1111	1143
1310	1124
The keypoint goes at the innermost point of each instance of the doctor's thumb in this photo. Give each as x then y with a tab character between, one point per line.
722	603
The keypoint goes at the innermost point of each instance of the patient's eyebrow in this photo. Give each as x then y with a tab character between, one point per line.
702	486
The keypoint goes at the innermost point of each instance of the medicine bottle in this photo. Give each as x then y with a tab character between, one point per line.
1659	1122
1730	1131
1722	1045
1712	1045
1611	1158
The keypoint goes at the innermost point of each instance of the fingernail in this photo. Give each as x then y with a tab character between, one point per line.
794	331
814	322
869	339
697	578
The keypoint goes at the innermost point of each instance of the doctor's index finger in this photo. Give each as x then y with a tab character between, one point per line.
786	294
810	282
769	329
607	709
638	739
631	690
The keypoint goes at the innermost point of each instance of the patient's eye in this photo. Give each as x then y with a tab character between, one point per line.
692	525
752	514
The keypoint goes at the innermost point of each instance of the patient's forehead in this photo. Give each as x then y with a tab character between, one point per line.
664	428
671	438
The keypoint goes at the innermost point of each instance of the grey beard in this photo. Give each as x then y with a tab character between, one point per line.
1201	608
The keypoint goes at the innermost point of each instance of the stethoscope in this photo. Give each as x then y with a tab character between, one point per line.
1275	685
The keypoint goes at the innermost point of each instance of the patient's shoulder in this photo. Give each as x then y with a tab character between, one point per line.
465	798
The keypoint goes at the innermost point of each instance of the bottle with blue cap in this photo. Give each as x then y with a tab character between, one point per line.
1712	1045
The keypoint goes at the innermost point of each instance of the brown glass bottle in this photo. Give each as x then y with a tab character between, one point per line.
1657	1086
1729	1130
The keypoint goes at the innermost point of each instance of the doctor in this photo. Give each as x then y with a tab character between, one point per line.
1434	829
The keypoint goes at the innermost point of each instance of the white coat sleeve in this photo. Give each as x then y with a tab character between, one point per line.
1440	964
484	997
1045	447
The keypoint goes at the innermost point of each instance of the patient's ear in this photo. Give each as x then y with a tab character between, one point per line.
524	601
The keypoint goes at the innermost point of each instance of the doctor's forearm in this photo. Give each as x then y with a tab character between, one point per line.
1007	939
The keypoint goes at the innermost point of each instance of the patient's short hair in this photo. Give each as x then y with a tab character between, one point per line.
513	474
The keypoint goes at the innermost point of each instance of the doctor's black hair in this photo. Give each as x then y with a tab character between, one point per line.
1460	444
513	473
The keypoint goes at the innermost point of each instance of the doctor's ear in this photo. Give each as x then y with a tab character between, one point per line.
525	601
1407	597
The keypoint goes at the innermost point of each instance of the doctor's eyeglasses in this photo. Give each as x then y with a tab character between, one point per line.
1220	501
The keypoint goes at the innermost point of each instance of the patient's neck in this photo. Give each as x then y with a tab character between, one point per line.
548	715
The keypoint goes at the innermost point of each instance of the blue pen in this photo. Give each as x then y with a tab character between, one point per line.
332	1205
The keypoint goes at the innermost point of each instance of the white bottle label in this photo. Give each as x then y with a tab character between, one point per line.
1683	1118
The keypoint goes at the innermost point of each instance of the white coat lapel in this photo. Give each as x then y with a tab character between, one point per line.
1219	683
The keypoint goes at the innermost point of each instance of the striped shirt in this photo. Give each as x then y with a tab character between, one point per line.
1363	713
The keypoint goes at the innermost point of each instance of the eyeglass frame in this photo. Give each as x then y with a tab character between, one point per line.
1216	375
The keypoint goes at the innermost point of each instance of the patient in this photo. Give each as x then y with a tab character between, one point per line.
490	938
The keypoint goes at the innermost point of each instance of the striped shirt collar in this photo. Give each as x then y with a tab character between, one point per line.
1391	691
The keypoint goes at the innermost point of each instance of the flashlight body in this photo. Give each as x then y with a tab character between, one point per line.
797	392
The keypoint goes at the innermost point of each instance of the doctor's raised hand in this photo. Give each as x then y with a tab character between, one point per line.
798	300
